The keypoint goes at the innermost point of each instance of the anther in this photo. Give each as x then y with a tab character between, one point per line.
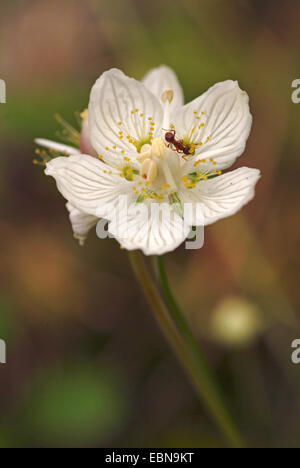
167	95
84	114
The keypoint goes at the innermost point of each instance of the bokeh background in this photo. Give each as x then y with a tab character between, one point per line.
86	363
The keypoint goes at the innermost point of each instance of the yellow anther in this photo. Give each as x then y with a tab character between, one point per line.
84	115
184	178
165	186
126	159
190	185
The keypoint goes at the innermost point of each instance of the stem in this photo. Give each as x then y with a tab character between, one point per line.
184	345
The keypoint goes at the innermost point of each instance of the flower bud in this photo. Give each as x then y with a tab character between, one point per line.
149	170
158	148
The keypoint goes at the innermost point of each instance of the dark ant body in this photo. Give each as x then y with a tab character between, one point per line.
180	146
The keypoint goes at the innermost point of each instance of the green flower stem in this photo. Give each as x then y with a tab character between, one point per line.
183	343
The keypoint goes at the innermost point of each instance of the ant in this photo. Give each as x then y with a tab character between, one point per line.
185	149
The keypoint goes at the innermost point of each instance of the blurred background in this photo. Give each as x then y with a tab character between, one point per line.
86	363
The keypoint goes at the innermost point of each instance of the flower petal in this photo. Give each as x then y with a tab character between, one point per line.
85	141
121	112
224	111
220	197
87	183
161	78
59	147
81	223
154	228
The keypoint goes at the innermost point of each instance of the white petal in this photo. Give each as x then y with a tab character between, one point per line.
85	141
154	228
53	145
81	222
161	78
227	123
220	197
121	104
87	183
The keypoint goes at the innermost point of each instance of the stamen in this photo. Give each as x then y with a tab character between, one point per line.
205	173
167	95
84	115
47	155
68	133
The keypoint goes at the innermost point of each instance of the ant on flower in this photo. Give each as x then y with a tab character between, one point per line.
187	149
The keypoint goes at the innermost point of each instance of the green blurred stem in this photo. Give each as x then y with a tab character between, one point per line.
183	343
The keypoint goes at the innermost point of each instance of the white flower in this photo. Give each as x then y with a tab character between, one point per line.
81	223
160	156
